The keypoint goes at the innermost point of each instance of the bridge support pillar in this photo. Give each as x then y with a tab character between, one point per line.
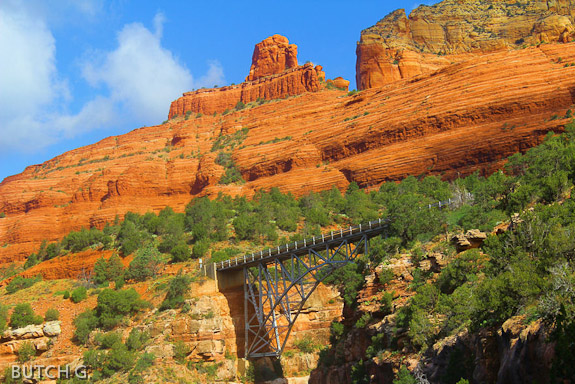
230	280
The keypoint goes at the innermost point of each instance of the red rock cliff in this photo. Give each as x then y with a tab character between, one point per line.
292	82
399	47
469	116
272	56
274	74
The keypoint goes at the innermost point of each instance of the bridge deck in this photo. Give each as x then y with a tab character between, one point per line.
316	243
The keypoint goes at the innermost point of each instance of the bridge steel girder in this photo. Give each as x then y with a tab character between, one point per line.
276	291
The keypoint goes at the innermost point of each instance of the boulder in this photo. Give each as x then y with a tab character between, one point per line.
52	328
471	239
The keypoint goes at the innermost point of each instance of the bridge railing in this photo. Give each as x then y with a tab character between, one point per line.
315	240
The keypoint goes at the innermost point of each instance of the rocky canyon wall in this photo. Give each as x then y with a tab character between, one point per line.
468	116
432	37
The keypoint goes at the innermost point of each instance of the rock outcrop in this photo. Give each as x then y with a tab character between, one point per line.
38	335
292	82
274	74
401	47
471	239
272	56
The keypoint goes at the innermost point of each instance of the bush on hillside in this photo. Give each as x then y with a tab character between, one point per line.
106	271
52	314
179	287
181	252
20	282
79	294
145	264
24	315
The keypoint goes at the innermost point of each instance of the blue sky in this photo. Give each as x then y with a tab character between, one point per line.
76	71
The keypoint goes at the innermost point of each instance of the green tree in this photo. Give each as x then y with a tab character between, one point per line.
85	322
24	315
113	306
179	287
145	264
404	377
20	282
3	318
181	252
137	339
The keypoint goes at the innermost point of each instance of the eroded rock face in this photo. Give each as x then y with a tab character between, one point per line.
274	74
272	56
471	239
38	335
467	117
400	47
292	82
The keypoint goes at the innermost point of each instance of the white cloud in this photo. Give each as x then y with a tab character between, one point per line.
140	74
133	84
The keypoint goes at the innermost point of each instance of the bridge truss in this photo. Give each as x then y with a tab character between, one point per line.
278	281
277	285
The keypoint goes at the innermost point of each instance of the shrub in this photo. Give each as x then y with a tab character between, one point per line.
179	286
79	294
24	315
240	105
363	320
224	254
181	252
85	322
3	318
52	314
78	241
386	276
66	295
20	282
108	270
404	377
118	359
26	352
145	264
306	344
137	339
114	306
181	351
200	248
108	339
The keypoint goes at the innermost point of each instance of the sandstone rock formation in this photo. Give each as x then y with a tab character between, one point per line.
291	82
272	56
471	239
469	116
38	335
274	74
399	47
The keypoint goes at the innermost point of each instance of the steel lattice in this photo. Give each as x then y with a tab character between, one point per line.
276	292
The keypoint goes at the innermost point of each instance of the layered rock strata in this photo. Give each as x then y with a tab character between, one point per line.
274	74
469	116
400	47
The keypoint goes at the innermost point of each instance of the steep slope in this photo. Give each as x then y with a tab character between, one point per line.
466	117
400	47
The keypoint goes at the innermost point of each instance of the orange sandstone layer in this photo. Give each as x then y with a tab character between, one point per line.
401	47
292	82
465	117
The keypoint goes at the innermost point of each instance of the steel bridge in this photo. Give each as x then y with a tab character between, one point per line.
278	281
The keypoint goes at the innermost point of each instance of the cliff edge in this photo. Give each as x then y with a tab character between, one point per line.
400	47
